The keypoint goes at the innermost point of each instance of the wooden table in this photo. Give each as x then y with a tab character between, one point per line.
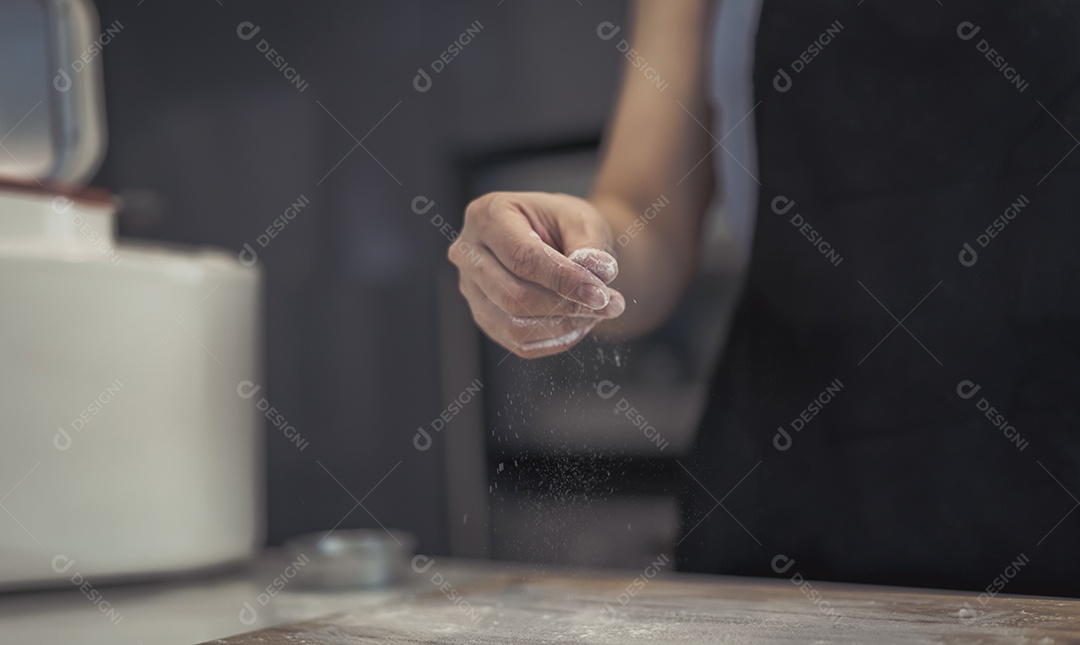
462	602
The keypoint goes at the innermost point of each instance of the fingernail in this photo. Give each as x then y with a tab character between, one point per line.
616	307
593	296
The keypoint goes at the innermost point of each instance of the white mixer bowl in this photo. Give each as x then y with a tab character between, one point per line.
125	450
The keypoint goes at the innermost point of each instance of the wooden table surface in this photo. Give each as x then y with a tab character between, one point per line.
461	602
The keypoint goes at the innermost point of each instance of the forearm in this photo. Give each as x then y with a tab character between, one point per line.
655	179
654	269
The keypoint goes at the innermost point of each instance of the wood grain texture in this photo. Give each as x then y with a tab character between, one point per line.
491	605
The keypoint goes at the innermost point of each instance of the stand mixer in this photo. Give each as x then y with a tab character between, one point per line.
126	450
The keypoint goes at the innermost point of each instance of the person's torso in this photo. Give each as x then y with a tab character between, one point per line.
914	239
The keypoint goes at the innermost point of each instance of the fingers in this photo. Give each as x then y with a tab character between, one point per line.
520	249
587	242
528	337
518	297
524	293
601	263
562	343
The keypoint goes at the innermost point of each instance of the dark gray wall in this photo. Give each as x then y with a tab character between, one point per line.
223	143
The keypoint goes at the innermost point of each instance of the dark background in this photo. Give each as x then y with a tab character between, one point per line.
209	144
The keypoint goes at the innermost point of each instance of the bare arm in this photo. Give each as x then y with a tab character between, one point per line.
538	269
654	153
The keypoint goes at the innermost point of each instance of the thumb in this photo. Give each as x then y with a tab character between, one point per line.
588	244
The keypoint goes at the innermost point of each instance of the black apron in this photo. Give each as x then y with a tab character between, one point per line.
947	452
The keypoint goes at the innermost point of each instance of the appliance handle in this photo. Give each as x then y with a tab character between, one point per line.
77	110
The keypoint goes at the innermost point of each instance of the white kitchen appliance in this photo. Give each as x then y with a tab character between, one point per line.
125	448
